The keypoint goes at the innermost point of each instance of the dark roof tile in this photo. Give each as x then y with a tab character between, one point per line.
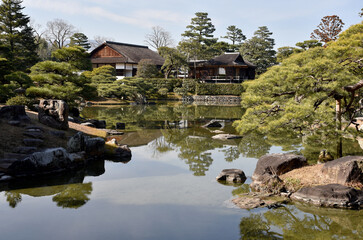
133	53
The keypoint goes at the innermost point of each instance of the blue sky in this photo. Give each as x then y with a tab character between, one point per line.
129	21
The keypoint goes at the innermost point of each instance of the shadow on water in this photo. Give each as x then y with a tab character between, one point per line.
67	189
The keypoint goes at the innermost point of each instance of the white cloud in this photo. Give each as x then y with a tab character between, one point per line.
145	18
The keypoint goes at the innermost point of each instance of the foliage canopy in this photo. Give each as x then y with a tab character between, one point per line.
300	94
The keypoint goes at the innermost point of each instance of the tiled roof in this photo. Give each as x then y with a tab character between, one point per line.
133	53
229	59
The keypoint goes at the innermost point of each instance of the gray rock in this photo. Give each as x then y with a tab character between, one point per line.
345	170
97	123
226	136
14	123
212	124
257	200
120	125
92	146
49	161
33	127
270	166
14	114
53	113
76	143
232	175
34	134
331	195
33	142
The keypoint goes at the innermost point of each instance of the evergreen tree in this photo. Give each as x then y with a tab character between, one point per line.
58	80
259	49
174	60
235	35
17	35
199	34
80	39
315	91
76	56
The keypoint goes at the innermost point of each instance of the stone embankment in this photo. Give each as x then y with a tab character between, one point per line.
30	145
206	99
280	178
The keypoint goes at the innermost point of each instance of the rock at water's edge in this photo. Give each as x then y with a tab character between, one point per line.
51	160
331	195
232	175
345	170
270	166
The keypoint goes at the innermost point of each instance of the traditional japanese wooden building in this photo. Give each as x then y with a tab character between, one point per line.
124	57
228	68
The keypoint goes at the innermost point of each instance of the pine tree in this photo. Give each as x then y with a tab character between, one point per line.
235	35
80	39
17	35
303	93
259	49
199	34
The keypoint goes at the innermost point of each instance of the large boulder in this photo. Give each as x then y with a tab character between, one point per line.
93	147
226	136
346	170
14	114
331	195
50	161
270	166
232	176
53	113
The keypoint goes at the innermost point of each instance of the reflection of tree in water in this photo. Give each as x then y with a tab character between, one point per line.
254	145
254	227
74	196
160	146
13	198
291	224
231	153
193	150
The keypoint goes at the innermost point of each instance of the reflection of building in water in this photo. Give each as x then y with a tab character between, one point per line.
177	124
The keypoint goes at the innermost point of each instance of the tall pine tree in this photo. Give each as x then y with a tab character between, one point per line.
17	35
259	49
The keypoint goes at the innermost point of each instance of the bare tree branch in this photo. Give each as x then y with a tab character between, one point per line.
59	32
159	38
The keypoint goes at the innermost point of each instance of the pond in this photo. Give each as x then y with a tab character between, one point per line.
168	189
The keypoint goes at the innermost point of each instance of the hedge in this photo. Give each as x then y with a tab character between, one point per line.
219	89
159	83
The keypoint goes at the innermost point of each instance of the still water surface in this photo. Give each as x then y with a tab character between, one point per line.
168	189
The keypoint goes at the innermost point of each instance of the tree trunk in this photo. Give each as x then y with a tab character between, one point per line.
338	116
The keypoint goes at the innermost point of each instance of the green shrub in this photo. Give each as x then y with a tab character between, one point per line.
188	86
19	100
163	91
219	89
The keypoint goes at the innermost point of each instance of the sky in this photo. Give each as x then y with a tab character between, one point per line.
128	21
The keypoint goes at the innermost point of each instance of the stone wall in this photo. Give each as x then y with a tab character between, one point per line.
206	99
